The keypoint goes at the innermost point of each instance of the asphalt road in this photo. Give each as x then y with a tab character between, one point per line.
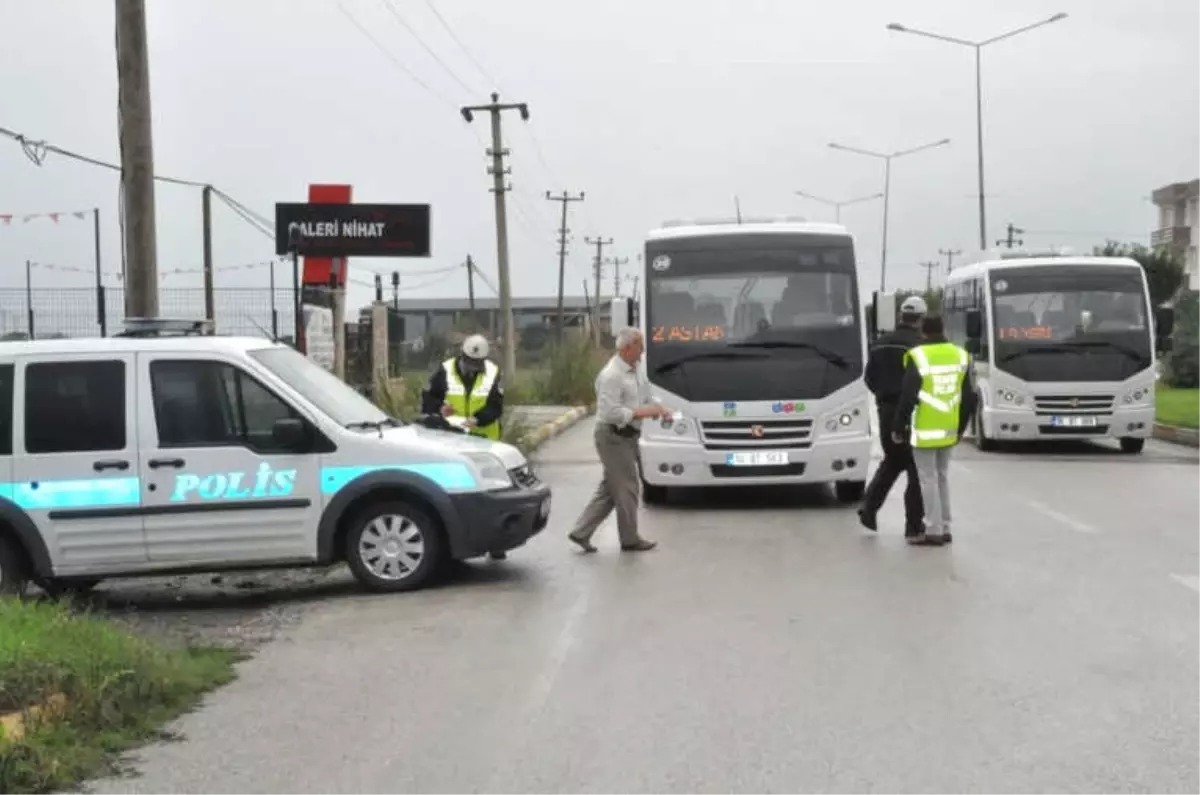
769	645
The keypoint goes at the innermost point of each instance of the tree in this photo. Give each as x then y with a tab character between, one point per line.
1183	362
1165	271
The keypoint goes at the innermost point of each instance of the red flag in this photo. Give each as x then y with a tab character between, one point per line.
54	217
7	219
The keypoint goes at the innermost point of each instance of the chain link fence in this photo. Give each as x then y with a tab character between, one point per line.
44	313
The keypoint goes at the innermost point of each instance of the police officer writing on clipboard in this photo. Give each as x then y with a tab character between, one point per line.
468	387
884	376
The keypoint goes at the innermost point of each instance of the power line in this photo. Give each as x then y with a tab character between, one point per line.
399	18
463	47
388	54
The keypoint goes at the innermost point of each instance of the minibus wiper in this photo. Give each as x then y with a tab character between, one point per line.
831	356
691	357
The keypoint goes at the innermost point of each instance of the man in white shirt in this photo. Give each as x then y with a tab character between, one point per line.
620	410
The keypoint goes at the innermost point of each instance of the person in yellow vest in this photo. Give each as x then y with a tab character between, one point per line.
937	399
468	386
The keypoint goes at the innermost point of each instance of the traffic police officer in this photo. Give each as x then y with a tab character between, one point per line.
936	402
468	386
884	375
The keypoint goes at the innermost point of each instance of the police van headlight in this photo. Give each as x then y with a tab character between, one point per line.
491	471
1009	397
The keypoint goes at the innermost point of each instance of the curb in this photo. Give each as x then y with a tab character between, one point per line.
548	430
1188	437
14	724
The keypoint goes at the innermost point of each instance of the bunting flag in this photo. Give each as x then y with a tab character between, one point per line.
7	218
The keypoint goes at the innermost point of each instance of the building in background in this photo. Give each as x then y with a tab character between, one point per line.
420	317
1177	222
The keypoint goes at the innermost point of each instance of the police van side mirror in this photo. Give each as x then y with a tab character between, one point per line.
290	433
974	325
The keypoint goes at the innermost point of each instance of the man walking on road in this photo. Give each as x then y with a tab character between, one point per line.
936	402
620	410
884	376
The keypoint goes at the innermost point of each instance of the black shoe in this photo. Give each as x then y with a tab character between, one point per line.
947	538
913	532
868	519
926	540
639	546
498	555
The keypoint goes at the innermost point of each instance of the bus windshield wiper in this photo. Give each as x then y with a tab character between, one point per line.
1043	348
1125	349
1072	347
831	356
691	357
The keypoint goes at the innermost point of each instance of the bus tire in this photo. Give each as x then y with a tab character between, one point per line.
982	441
1132	445
850	491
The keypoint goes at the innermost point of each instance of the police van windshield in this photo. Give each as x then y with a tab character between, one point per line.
319	386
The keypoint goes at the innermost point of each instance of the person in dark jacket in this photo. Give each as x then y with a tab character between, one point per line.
937	400
884	376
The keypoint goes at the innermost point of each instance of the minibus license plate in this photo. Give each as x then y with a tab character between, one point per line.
1073	422
770	458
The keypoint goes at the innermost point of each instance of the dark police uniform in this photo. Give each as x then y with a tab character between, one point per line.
884	377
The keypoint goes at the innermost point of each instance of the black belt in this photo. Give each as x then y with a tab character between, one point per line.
626	431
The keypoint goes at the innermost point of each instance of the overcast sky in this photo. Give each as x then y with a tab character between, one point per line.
658	109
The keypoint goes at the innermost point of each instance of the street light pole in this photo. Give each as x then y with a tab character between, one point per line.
838	205
887	158
978	47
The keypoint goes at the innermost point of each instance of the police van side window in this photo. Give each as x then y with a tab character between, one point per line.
74	407
6	408
212	404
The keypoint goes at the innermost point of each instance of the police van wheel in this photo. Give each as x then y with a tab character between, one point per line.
394	546
850	490
1132	445
13	575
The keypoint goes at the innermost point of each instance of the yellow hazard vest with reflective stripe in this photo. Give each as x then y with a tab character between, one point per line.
464	403
943	368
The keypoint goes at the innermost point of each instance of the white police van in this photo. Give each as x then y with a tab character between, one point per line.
161	452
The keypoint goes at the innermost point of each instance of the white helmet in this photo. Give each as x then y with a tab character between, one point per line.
914	305
475	347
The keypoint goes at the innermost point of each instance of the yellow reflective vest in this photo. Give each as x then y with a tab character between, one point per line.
466	404
943	368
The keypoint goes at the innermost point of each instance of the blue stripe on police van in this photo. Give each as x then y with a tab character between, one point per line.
43	495
448	476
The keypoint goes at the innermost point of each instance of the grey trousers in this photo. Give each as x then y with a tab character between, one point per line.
619	487
933	464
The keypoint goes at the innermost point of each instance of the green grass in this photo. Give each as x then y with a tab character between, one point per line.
120	690
1178	407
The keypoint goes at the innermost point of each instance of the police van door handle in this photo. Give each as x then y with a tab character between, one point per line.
177	463
100	466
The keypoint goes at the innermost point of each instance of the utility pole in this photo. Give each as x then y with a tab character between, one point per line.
206	225
101	303
617	262
396	291
566	199
1010	239
929	266
137	159
949	254
471	291
29	296
597	266
497	170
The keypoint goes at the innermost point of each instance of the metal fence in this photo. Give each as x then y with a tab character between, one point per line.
74	311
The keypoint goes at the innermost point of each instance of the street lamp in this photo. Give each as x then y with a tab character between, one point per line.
887	159
978	47
836	205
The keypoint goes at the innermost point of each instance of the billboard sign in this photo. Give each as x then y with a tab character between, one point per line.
354	230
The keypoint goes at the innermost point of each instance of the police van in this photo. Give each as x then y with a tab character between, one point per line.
165	450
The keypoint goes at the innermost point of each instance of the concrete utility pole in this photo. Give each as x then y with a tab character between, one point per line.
1010	238
471	291
597	267
497	170
566	199
949	254
929	268
137	159
617	262
206	216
